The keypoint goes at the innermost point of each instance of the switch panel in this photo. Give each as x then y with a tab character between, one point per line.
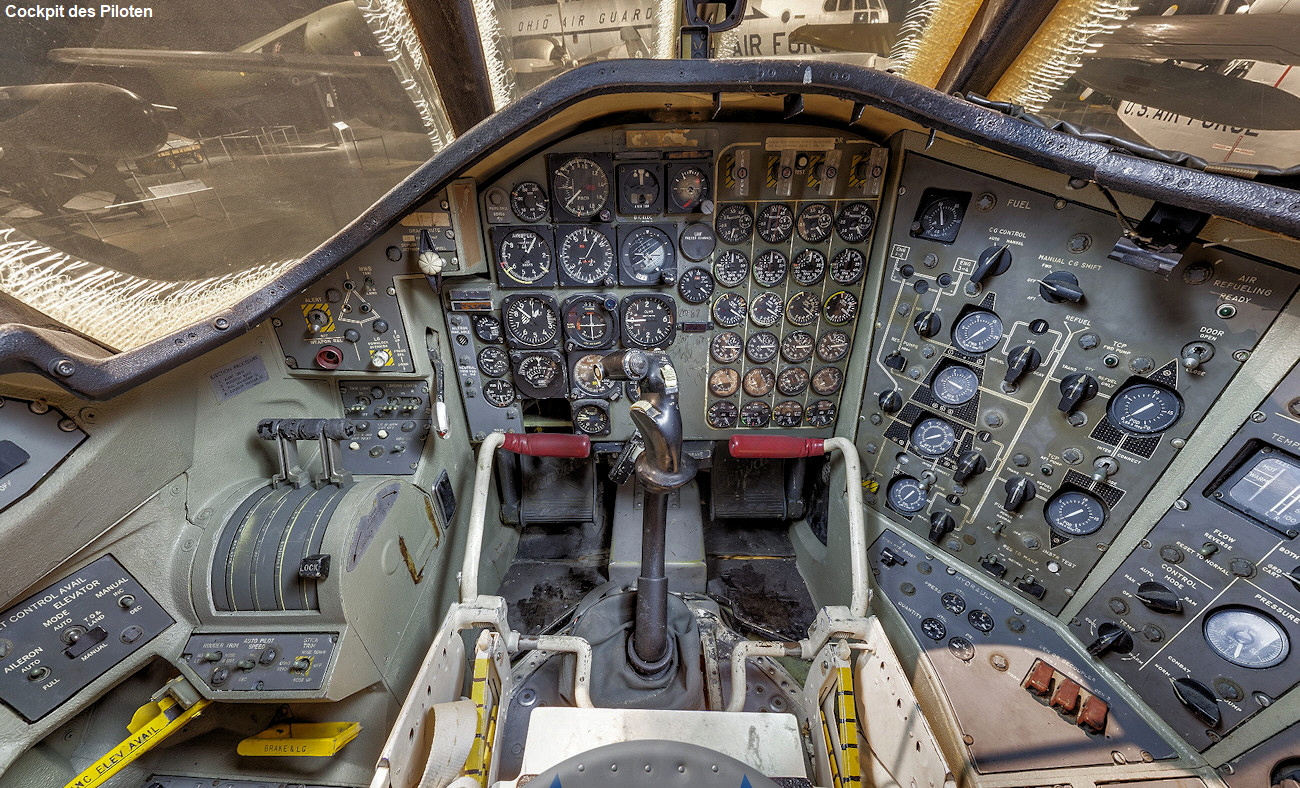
271	662
392	420
34	439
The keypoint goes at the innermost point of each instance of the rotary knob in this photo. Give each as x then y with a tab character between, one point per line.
1111	637
1020	491
941	524
890	401
993	261
927	324
1021	360
1076	389
969	463
1060	286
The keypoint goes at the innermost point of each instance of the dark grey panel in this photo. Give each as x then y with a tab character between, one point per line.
274	662
392	420
34	439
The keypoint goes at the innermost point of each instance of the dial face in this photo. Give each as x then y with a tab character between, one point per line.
725	347
934	629
955	385
847	266
587	257
809	267
820	413
735	223
797	347
695	286
787	415
487	328
645	252
585	374
1246	637
815	221
792	381
775	223
1145	408
905	495
731	267
493	362
981	620
648	321
524	256
499	393
961	648
827	381
766	309
953	603
531	321
528	202
759	381
833	345
723	414
729	310
697	242
1075	514
933	437
638	189
761	347
724	382
591	419
755	415
688	189
538	370
977	332
841	307
770	268
588	323
939	220
855	222
581	187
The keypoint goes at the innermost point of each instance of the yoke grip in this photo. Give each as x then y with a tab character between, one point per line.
548	444
774	446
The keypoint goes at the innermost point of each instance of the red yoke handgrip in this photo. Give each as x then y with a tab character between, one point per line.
547	444
774	446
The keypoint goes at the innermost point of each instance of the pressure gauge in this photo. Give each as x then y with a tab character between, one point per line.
761	347
840	307
820	413
955	385
787	415
978	331
770	268
726	347
755	415
933	437
1075	513
1246	637
724	382
695	286
758	382
1145	408
847	266
731	267
528	202
854	222
827	380
766	309
775	223
729	310
792	381
833	345
735	223
815	222
591	418
906	496
797	346
723	414
809	267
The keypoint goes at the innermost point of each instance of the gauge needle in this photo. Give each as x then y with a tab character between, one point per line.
1072	514
1144	408
981	331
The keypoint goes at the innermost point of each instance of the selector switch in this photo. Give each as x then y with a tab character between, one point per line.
1033	588
1060	286
1019	490
1198	699
1076	389
1159	598
993	261
994	567
890	401
969	463
1021	360
1111	637
246	664
86	641
941	524
927	324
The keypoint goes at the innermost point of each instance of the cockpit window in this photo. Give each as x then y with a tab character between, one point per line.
159	162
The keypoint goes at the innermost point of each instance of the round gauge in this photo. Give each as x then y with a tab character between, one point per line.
581	187
766	309
648	321
1145	408
725	347
538	370
731	267
981	620
587	378
770	268
587	257
723	414
827	380
934	629
940	220
775	223
787	415
961	648
1246	637
697	242
591	419
797	346
524	256
847	266
815	221
833	345
487	328
840	308
759	381
528	202
792	381
499	393
803	308
855	222
588	322
955	385
953	603
1075	514
729	310
977	332
493	362
724	382
688	188
530	320
734	224
696	285
933	437
761	347
645	252
820	413
638	188
906	496
755	415
809	267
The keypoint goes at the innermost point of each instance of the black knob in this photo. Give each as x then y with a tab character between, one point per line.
1060	286
1199	700
1111	637
1159	597
890	401
1076	389
927	324
941	524
993	261
1022	360
1019	491
969	463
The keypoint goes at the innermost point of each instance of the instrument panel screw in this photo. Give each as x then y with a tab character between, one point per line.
1241	356
63	368
1258	417
221	324
1181	505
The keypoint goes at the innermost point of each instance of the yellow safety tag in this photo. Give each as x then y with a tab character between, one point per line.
150	724
312	739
